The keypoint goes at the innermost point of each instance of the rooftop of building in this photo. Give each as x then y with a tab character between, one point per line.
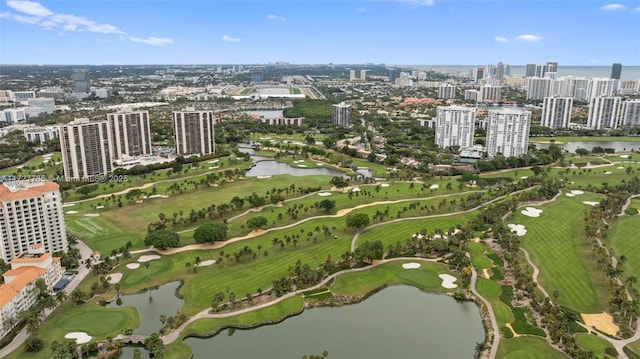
17	190
24	276
31	257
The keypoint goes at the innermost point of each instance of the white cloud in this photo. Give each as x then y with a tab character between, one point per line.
592	61
34	13
29	8
613	7
528	37
418	2
228	38
362	9
154	41
637	9
501	39
275	17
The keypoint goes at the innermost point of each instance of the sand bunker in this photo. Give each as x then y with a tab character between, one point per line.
531	212
607	172
99	207
447	281
485	273
434	186
519	229
515	335
263	177
80	337
591	203
302	166
412	265
92	215
624	156
577	192
148	257
385	185
620	168
524	177
603	322
133	265
324	194
570	195
356	189
68	205
114	278
71	212
206	263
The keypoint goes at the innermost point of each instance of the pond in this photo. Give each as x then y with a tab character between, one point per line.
397	322
151	304
589	145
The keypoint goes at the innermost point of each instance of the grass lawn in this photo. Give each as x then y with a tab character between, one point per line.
635	346
362	283
527	347
376	169
36	166
623	238
557	246
586	139
477	256
95	320
593	343
491	291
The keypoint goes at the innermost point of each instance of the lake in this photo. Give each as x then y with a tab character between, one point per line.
397	322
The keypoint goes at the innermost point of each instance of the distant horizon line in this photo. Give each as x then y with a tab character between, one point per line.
307	64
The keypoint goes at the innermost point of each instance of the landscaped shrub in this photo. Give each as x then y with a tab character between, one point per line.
521	324
507	294
496	259
497	273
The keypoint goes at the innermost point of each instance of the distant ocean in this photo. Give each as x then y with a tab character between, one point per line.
628	72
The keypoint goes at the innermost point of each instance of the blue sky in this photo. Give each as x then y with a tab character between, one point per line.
572	32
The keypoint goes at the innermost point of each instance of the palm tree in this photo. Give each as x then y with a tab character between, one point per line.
146	266
32	322
480	347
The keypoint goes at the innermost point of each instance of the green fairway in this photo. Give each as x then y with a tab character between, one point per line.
556	243
527	347
476	250
560	140
635	346
95	320
624	241
36	167
362	283
490	290
593	343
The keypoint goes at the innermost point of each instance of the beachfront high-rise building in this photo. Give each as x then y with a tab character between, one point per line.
81	82
490	93
501	71
341	114
630	113
447	91
508	132
616	71
31	212
455	126
194	132
551	67
530	70
556	112
129	133
603	112
478	74
86	149
538	88
601	86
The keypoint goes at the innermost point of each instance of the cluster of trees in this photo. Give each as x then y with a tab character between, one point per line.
210	232
368	251
357	221
162	239
170	323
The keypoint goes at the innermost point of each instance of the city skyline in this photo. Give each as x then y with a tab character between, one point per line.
192	32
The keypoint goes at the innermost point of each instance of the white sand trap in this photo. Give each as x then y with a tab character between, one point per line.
263	177
434	186
385	185
99	207
213	167
624	156
570	195
412	265
447	281
92	215
524	177
80	337
302	166
590	203
38	170
214	161
147	258
485	273
133	265
518	228
164	196
114	278
319	164
620	168
324	194
577	192
607	172
355	189
71	212
208	262
68	205
532	212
